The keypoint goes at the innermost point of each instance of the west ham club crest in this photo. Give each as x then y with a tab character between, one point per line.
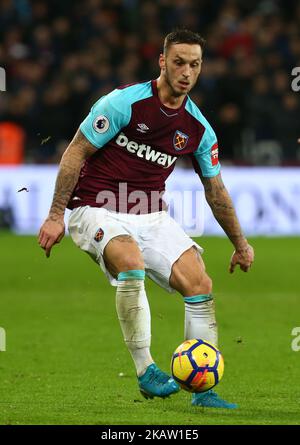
99	235
180	140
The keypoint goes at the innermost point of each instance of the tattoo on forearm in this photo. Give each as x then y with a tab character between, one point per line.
213	184
223	208
65	183
78	150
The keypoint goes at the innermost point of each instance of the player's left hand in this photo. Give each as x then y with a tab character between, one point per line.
244	257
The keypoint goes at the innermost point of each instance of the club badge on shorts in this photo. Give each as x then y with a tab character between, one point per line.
99	235
180	140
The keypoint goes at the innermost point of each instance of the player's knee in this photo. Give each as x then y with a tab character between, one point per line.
206	285
201	287
131	263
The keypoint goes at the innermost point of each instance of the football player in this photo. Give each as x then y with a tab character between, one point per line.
112	176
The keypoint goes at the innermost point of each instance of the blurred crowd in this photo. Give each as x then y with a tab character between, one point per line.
62	55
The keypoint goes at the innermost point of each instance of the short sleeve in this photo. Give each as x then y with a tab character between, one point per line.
107	117
207	154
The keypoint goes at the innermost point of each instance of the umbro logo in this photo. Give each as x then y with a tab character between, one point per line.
142	128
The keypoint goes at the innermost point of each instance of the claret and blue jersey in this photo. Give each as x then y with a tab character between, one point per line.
139	140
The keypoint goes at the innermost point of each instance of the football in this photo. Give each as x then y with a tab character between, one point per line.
197	365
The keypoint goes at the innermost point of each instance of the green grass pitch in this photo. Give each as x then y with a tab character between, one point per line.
65	361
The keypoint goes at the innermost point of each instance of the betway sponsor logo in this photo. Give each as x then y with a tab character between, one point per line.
145	151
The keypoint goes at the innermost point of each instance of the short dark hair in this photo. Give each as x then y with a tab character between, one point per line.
182	35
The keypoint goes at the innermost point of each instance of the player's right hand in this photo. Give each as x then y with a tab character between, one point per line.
51	232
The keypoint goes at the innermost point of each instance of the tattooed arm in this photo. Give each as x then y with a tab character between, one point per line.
53	229
222	207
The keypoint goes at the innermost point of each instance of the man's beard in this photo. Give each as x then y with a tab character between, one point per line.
173	91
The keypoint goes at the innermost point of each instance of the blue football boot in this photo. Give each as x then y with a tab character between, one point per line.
210	399
155	383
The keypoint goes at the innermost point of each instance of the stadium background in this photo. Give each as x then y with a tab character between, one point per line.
60	56
65	361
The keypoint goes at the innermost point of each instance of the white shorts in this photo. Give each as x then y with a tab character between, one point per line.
160	239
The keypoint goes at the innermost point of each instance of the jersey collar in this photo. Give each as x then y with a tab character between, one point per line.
170	112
